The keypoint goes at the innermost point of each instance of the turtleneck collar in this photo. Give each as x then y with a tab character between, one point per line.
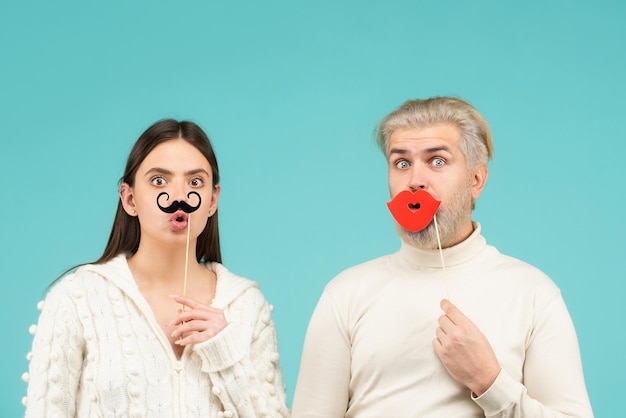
413	257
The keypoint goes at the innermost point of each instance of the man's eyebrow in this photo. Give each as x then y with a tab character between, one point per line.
398	151
437	149
432	150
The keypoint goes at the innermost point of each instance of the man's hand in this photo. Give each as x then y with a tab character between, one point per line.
464	350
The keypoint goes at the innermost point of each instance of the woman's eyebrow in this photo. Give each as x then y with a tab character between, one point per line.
196	171
159	170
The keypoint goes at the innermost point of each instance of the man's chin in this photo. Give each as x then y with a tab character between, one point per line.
426	239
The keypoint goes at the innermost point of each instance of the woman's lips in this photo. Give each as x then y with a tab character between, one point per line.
179	220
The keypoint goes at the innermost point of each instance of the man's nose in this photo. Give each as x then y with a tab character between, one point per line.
417	180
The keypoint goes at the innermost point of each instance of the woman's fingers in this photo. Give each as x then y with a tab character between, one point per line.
197	322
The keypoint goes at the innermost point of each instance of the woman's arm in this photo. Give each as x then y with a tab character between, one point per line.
56	358
242	361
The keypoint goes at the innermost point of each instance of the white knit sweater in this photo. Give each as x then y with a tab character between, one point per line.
99	352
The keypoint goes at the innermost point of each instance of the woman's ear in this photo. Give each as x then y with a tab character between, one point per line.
214	198
127	199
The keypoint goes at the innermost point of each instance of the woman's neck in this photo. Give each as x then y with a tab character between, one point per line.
163	265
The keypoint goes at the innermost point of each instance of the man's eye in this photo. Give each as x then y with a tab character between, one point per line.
438	162
196	182
402	164
158	181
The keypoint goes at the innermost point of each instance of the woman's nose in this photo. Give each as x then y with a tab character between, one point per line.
179	191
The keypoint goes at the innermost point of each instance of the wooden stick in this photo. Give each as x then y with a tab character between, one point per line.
443	265
186	257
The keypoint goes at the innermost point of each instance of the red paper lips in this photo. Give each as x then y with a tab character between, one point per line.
413	211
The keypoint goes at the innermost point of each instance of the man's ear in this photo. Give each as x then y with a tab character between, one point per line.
128	199
479	178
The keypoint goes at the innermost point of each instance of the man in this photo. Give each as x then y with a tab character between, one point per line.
447	326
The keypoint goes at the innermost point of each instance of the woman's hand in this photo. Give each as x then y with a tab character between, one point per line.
196	323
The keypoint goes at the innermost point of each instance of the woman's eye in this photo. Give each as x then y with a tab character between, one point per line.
196	182
158	181
402	164
438	162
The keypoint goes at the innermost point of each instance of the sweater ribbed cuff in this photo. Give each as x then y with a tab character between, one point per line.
221	351
500	395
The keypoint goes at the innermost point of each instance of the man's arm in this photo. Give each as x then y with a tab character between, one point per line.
322	390
553	383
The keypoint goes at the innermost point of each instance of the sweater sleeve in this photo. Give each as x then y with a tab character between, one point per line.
56	358
247	377
324	378
553	383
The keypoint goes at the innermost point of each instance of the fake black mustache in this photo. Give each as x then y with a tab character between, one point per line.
178	204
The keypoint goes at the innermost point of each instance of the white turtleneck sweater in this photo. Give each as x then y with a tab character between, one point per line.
368	350
98	351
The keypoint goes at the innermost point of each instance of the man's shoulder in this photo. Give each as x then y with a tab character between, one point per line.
365	274
500	259
517	269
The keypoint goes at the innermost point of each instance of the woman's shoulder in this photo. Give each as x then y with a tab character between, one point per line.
90	277
232	287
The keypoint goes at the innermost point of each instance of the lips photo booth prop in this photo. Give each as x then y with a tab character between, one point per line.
413	210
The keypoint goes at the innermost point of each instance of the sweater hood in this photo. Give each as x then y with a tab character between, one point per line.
229	286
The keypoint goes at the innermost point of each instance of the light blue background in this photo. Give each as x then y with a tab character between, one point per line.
290	93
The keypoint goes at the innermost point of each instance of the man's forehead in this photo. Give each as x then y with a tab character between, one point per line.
424	141
442	131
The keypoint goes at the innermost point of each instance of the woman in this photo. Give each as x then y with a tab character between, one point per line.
149	330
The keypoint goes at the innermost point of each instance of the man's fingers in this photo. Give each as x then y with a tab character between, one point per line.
445	322
441	335
452	312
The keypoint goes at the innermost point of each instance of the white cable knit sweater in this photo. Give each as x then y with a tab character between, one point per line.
99	352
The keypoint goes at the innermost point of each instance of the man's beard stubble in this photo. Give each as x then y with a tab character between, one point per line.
450	220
